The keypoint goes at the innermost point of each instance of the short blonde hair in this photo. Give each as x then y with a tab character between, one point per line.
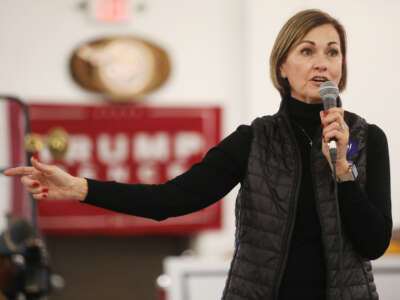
294	30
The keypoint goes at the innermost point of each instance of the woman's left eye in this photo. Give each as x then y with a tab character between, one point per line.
333	52
306	51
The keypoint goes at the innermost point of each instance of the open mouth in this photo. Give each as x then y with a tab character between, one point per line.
319	79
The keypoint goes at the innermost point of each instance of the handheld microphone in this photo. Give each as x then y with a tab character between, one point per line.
329	93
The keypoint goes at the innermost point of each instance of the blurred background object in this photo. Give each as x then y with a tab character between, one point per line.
57	142
122	67
24	262
394	247
107	11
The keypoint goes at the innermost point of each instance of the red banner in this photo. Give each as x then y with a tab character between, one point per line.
129	144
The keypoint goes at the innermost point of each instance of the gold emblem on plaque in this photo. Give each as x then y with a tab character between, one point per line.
56	142
33	142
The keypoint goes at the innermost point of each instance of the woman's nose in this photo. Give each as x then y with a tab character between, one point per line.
320	63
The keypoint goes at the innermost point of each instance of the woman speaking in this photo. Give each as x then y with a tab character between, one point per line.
302	233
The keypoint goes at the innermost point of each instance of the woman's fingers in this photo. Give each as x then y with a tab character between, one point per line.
39	196
32	185
36	166
340	136
19	171
34	178
42	167
333	116
333	124
334	110
341	127
39	178
334	130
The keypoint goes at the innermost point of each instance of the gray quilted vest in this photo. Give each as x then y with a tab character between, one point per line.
265	210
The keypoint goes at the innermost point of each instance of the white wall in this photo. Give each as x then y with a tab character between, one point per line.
219	51
4	159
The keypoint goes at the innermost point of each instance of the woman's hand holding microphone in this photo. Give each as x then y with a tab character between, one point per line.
334	126
50	182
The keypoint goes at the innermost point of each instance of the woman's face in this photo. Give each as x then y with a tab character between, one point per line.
311	61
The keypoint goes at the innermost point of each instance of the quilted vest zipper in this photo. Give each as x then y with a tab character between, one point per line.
292	212
317	205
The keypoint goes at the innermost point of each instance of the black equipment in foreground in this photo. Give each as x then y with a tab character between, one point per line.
30	269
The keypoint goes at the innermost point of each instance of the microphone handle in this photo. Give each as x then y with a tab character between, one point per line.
328	105
332	144
332	150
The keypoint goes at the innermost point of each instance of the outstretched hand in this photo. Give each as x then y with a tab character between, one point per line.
49	182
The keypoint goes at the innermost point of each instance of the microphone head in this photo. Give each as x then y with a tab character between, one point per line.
12	240
329	92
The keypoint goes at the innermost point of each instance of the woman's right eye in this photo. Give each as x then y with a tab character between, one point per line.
306	51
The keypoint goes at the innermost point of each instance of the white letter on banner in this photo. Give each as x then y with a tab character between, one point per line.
79	149
118	173
188	143
147	173
175	168
112	150
87	170
153	147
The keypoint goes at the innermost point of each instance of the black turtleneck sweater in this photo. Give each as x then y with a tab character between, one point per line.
366	216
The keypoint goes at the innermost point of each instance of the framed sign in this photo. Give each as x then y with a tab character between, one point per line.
124	143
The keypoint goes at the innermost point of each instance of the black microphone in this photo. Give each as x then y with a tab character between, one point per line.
329	93
13	239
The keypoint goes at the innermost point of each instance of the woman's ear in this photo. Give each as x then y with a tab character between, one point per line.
282	71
